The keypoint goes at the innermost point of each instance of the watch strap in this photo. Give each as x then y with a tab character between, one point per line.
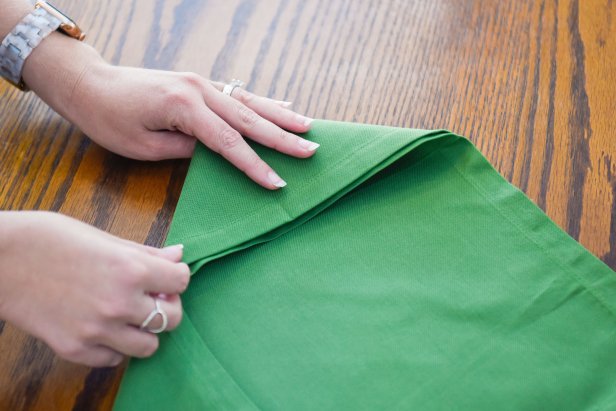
19	43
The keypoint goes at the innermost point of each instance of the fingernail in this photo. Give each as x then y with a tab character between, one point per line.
308	145
276	180
284	104
304	121
173	249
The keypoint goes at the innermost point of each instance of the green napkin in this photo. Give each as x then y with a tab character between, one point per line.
397	270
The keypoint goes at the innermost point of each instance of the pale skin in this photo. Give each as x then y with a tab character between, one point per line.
81	290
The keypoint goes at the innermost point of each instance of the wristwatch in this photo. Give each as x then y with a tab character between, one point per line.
17	46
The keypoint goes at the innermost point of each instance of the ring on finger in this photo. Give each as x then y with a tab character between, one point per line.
229	87
155	312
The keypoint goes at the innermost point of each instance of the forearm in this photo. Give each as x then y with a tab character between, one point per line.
55	67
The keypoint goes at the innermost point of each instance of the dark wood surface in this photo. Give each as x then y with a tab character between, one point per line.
532	83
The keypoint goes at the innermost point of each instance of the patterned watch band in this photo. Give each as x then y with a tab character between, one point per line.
20	42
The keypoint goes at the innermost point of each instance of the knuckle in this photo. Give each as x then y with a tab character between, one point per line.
284	136
134	273
191	79
120	262
248	117
283	140
91	332
244	96
229	139
114	309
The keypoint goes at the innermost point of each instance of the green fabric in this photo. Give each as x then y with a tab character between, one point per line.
397	270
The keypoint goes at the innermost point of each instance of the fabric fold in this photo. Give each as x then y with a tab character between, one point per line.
240	214
397	270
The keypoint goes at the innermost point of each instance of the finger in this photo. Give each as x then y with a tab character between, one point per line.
220	86
282	103
170	304
132	341
165	277
172	253
250	124
221	138
273	111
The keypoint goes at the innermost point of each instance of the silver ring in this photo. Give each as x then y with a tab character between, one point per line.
156	311
228	89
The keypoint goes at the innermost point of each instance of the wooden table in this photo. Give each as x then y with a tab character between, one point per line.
532	83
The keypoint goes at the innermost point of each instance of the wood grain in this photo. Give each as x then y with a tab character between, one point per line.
531	83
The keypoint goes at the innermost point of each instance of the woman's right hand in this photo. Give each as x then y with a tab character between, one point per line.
83	291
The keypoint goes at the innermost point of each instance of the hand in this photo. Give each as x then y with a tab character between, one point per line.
83	291
154	115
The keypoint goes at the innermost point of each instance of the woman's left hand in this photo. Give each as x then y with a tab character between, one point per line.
154	115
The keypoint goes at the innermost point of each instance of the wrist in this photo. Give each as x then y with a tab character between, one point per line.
56	68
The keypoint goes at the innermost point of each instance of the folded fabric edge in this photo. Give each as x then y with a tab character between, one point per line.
318	202
514	206
375	157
